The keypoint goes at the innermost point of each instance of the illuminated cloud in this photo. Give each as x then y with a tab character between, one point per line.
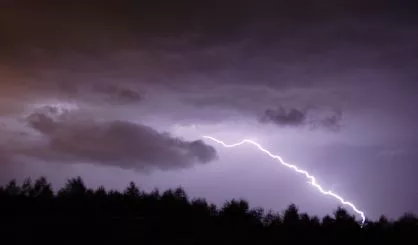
64	137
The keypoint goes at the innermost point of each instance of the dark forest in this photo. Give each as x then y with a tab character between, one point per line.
33	213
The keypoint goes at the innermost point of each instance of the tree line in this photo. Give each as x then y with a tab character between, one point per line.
33	212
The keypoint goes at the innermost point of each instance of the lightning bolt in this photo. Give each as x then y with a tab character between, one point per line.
312	179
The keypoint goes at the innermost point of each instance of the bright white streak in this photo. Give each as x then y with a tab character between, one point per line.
311	178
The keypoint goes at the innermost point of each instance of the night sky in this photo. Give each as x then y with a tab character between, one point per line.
122	91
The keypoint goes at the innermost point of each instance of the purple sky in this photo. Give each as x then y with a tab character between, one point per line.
124	91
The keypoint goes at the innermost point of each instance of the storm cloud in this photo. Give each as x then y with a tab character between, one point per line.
292	117
284	117
128	145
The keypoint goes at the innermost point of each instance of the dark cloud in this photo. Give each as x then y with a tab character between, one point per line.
176	44
284	117
46	30
115	143
297	118
332	122
118	94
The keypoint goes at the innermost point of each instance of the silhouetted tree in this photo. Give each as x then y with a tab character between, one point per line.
74	187
132	190
12	189
291	215
26	189
42	189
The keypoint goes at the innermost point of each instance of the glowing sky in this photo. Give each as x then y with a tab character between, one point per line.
124	91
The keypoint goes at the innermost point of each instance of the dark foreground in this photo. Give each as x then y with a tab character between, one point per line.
33	214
